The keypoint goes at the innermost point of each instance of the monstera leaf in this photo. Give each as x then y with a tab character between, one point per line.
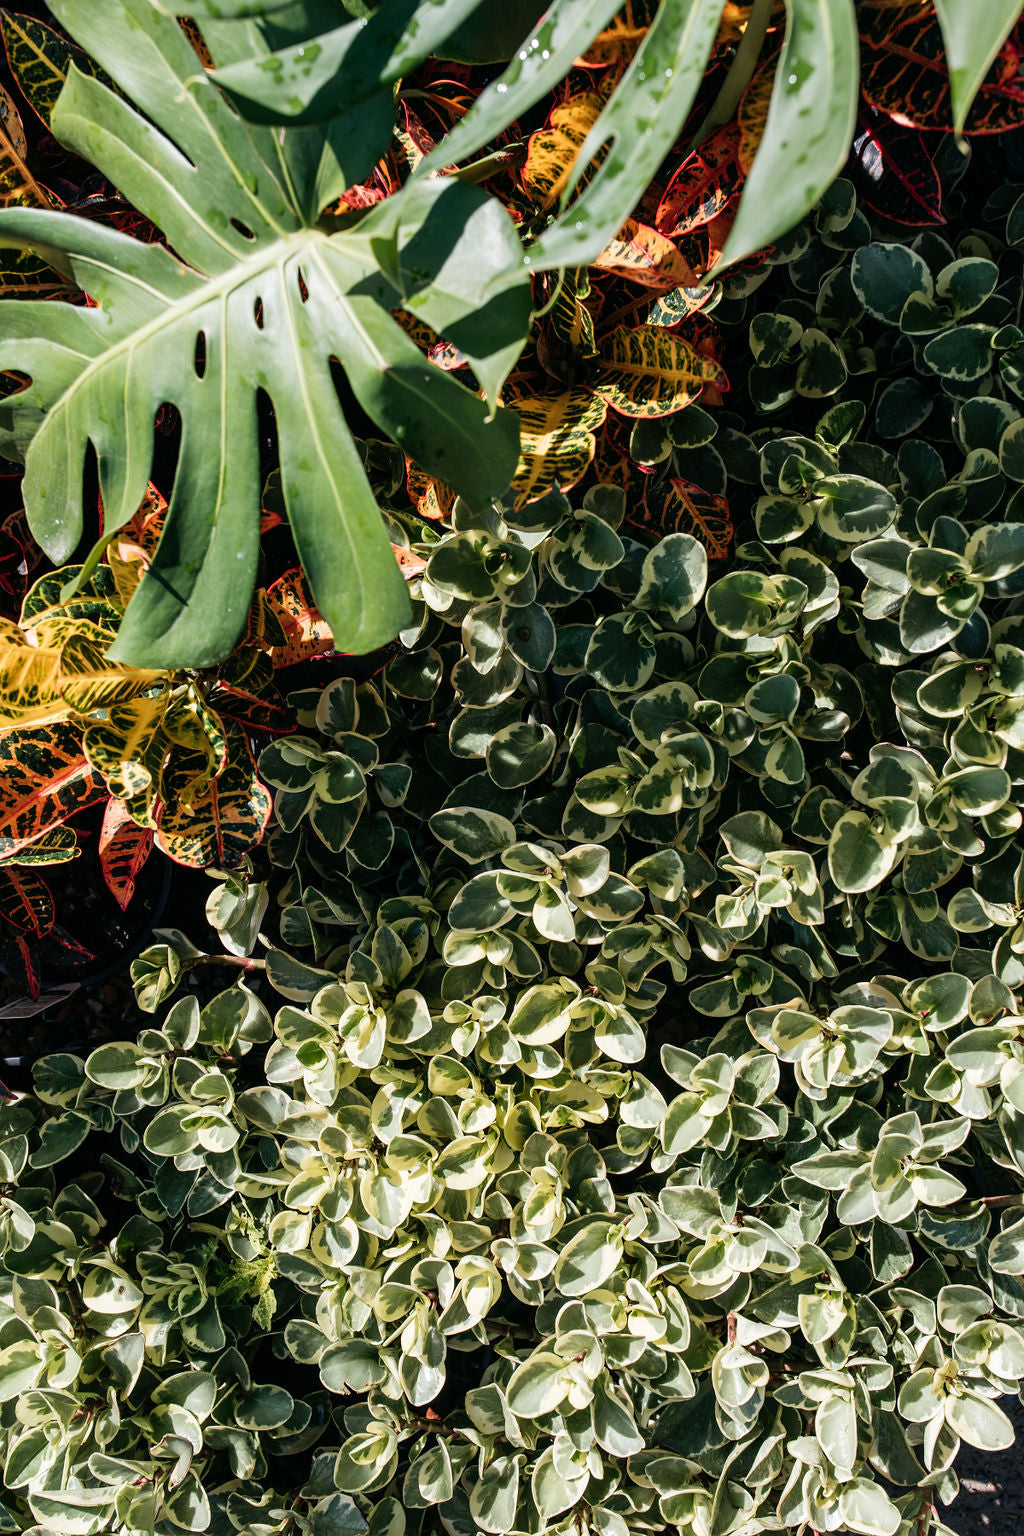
251	297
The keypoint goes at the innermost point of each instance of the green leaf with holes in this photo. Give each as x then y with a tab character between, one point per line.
257	299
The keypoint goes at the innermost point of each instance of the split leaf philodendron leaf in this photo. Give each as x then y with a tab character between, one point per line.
810	124
221	10
973	34
312	81
252	297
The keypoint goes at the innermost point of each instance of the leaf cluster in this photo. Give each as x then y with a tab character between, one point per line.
617	1125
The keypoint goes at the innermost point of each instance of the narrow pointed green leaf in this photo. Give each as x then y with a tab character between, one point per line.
973	32
637	127
810	124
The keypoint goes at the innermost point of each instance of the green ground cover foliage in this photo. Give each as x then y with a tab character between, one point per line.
622	1125
605	1110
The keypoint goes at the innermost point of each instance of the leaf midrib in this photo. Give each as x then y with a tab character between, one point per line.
207	292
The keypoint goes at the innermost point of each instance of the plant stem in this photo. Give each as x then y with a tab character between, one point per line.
501	160
244	962
723	108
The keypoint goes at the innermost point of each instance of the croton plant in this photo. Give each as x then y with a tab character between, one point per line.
598	1109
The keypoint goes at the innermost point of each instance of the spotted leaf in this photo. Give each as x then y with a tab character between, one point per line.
703	186
553	148
557	438
26	902
44	779
905	73
618	42
648	371
306	632
17	183
674	505
432	498
124	848
645	256
39	57
219	826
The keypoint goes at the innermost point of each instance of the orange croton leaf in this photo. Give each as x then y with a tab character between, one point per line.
432	499
195	37
675	505
306	633
703	186
123	848
612	463
904	73
213	820
753	114
645	256
26	902
44	779
408	563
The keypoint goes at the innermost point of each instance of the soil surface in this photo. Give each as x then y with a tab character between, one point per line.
991	1499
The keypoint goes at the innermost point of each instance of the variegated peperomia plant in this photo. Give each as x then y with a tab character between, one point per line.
619	1127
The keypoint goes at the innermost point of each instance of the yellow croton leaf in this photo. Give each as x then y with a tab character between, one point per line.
200	732
647	371
59	669
552	150
619	42
753	115
129	747
88	681
17	183
28	680
221	823
569	318
557	438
